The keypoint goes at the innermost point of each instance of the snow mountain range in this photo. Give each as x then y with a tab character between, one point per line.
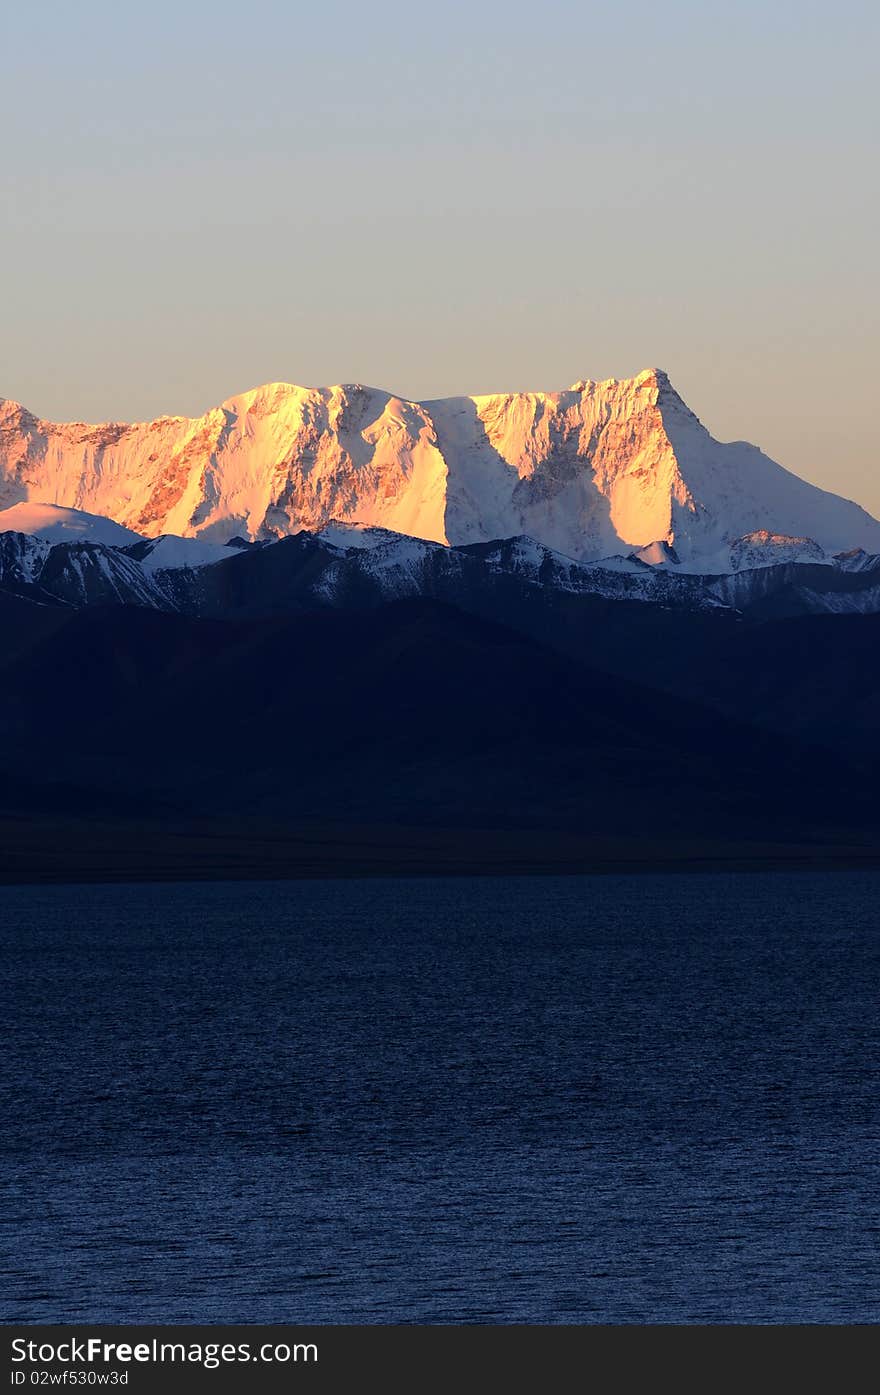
603	469
59	556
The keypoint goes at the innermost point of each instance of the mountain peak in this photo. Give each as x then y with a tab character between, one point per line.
655	376
267	394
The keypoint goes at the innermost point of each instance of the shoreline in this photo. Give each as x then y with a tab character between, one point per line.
46	852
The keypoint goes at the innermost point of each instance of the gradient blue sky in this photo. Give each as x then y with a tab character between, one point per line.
458	198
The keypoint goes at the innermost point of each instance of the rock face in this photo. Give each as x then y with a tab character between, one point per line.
601	468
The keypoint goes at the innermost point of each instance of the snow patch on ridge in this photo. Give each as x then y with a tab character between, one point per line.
657	554
763	549
354	535
169	553
56	524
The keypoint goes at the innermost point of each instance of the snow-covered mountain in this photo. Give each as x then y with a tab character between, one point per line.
168	553
54	524
77	574
602	469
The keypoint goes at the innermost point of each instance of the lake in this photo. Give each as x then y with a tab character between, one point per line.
556	1100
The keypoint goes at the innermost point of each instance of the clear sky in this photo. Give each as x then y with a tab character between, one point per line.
461	197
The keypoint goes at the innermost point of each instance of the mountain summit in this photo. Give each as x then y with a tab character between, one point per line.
599	468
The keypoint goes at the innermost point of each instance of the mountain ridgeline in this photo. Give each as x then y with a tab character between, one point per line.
560	618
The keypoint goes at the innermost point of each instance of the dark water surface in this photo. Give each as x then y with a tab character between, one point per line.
574	1099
